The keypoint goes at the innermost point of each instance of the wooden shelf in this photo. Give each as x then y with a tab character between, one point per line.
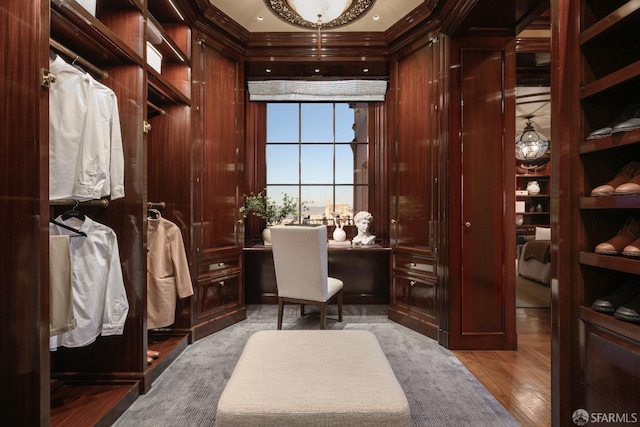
610	202
611	262
609	81
611	141
607	321
90	37
614	18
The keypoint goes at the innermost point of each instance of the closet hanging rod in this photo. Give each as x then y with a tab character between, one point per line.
155	107
103	203
97	72
156	205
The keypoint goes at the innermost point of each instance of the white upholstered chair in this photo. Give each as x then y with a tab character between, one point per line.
300	260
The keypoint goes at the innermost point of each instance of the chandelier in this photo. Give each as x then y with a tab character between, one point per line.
530	145
319	14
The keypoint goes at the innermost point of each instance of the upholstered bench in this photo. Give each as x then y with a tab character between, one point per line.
313	378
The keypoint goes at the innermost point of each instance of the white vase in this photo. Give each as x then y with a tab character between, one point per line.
533	187
339	235
266	236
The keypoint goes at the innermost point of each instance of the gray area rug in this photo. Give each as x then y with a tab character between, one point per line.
440	390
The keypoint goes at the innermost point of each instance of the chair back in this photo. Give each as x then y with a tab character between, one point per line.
300	261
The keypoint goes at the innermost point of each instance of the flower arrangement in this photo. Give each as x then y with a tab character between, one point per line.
265	208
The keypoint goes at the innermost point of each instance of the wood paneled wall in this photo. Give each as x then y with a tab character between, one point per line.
24	191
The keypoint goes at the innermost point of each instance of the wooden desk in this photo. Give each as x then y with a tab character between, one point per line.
364	270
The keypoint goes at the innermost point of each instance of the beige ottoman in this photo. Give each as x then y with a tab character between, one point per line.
313	378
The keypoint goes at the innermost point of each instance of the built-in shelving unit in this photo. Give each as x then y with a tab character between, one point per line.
89	386
610	81
536	206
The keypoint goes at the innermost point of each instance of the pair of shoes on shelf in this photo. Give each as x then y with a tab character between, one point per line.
626	182
151	355
629	119
626	242
623	303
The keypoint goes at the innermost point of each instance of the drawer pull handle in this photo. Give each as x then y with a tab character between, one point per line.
221	283
413	264
221	264
412	283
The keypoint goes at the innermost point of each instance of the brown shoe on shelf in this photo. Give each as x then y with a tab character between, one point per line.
149	360
625	175
632	249
153	354
627	235
630	187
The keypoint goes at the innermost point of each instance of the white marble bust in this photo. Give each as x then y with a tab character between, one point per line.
363	221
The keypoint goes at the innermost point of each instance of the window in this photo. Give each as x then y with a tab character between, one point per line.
318	153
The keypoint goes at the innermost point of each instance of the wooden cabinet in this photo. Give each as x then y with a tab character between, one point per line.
414	192
217	164
601	54
110	46
414	292
168	145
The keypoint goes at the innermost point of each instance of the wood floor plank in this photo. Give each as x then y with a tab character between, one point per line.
520	380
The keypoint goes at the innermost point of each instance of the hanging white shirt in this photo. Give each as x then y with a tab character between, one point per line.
99	297
82	123
109	121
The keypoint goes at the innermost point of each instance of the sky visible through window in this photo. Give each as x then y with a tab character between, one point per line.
310	153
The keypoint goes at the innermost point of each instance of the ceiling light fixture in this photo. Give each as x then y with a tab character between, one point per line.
318	14
530	145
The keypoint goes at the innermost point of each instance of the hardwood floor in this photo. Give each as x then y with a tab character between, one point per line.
520	380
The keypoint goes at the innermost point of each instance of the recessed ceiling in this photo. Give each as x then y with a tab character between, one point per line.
247	13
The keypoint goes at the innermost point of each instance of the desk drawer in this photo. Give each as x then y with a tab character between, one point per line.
218	293
416	265
418	293
216	266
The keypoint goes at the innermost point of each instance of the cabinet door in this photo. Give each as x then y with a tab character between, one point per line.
414	195
415	161
218	176
218	293
217	158
482	295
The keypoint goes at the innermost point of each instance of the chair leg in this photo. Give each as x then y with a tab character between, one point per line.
280	310
323	315
340	306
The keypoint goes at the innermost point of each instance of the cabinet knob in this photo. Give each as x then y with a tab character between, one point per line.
221	283
467	224
412	265
412	283
240	221
393	221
